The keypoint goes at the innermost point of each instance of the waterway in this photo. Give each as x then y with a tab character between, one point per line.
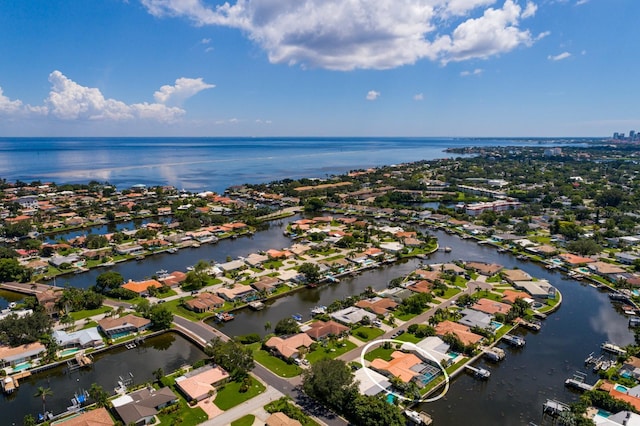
518	385
168	351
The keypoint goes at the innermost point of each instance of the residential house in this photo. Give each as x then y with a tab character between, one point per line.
462	332
319	330
196	384
510	296
140	407
267	284
370	382
289	347
141	287
281	419
575	260
487	269
626	258
537	289
606	270
402	365
256	259
204	302
491	307
119	327
48	299
377	305
472	318
237	293
174	279
434	346
85	338
513	275
352	315
97	417
12	356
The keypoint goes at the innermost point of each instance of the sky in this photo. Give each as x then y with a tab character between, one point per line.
434	68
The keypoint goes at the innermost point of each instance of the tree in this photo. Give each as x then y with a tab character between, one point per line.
108	281
584	246
99	395
287	326
43	393
375	411
267	326
161	317
331	382
232	356
29	420
313	205
311	272
158	374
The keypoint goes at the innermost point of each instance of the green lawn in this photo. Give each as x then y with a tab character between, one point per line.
175	306
366	334
244	421
274	364
166	294
451	291
332	350
379	352
408	337
405	316
89	313
184	415
229	395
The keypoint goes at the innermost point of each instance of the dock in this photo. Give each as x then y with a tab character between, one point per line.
479	373
494	354
256	305
516	341
554	408
578	382
81	360
11	383
418	418
614	349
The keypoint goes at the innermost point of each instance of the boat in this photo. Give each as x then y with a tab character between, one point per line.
172	250
516	341
589	359
414	416
140	257
256	305
634	322
494	354
109	264
224	316
447	249
162	273
319	310
297	317
12	305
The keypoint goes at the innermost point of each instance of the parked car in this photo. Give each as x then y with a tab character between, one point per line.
397	333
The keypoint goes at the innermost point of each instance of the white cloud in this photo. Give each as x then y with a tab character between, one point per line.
476	71
350	34
418	97
559	57
182	90
372	95
9	107
581	2
205	41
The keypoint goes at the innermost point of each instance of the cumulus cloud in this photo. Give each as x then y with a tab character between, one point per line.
559	57
581	2
182	90
69	101
418	97
372	95
350	34
476	71
9	107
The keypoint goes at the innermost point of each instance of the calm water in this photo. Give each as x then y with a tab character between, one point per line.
168	351
198	164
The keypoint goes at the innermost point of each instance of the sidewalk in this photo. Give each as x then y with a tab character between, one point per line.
252	406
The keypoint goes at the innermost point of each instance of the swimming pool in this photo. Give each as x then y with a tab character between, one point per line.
391	399
603	413
621	388
66	352
22	366
495	325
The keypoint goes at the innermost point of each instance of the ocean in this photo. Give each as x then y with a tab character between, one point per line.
214	164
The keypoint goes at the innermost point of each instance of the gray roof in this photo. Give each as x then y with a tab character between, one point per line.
473	318
352	315
80	337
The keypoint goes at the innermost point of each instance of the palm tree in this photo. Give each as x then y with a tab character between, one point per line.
267	325
43	393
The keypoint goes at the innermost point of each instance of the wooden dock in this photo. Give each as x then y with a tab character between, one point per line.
11	383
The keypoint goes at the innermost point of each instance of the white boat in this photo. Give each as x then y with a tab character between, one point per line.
319	310
610	347
414	416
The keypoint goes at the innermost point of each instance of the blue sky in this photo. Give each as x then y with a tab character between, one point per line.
319	67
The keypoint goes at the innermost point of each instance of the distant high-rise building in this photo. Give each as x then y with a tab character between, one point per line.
632	135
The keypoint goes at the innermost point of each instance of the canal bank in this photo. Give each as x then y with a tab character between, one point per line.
169	351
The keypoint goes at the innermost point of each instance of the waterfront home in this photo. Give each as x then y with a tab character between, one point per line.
537	289
631	367
491	307
462	332
392	247
267	284
319	330
12	356
140	407
513	275
448	268
632	395
377	305
141	287
626	258
606	270
279	254
402	365
86	338
57	260
129	249
434	346
352	315
232	265
483	268
429	275
48	299
237	293
281	419
97	417
119	327
543	250
422	286
256	259
204	302
370	382
473	318
621	418
288	348
196	384
397	294
174	279
574	259
510	296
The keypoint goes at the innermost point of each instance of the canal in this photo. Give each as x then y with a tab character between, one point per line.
169	351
